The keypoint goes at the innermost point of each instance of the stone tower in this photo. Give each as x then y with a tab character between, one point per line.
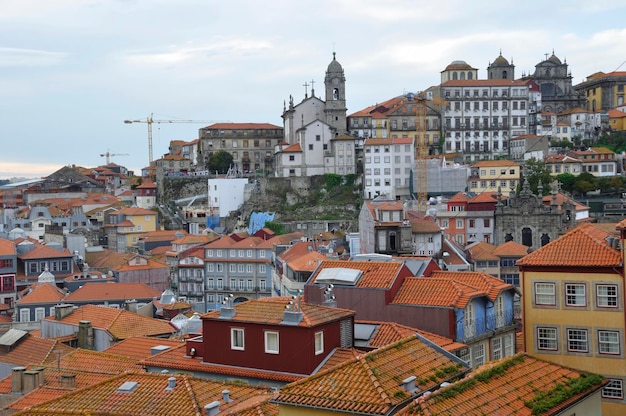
501	69
335	83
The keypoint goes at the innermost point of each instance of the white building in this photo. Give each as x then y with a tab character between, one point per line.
387	165
226	195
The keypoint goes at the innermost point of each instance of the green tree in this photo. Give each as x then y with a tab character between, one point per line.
585	182
278	228
536	172
220	161
567	181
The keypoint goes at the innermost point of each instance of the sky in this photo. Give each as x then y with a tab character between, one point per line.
71	71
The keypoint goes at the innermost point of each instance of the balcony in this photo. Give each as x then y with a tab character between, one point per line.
468	332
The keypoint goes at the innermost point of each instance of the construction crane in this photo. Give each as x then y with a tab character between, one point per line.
150	121
422	100
110	155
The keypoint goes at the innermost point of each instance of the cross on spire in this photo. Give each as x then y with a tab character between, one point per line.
306	90
312	88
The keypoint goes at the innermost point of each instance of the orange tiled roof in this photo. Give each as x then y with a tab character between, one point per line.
483	282
371	384
45	252
376	274
435	292
140	347
42	293
81	360
175	359
151	396
583	246
270	310
307	262
389	332
339	356
91	291
150	264
32	350
511	249
7	247
482	251
488	392
121	324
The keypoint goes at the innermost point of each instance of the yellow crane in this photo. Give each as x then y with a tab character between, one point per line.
109	155
150	121
422	100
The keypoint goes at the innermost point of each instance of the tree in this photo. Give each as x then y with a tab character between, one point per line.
567	181
220	161
585	182
535	172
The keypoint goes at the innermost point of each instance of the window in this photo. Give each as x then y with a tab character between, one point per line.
613	389
261	268
271	342
545	294
319	342
236	339
606	296
575	294
508	345
25	315
40	313
496	348
232	267
262	285
577	340
608	342
546	339
479	355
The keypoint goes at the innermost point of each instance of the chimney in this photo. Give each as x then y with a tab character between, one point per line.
68	381
171	383
85	335
30	381
227	312
17	378
158	349
212	408
62	310
226	396
131	305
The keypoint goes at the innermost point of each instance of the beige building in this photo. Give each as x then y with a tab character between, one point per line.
494	176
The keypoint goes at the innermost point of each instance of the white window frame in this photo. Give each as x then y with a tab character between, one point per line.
25	313
237	339
545	295
496	349
40	313
573	298
319	342
272	337
614	389
549	338
606	300
604	346
478	352
577	336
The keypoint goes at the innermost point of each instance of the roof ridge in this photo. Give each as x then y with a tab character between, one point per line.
372	376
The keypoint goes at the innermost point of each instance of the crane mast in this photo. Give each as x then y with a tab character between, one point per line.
150	121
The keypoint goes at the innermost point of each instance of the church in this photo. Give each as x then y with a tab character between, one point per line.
316	140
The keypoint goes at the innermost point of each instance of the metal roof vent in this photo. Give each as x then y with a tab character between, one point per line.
212	408
226	396
409	384
127	387
171	383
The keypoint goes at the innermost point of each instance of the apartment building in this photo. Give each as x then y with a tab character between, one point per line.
494	176
388	164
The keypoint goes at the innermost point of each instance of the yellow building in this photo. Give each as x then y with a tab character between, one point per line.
124	227
603	91
573	306
493	176
617	120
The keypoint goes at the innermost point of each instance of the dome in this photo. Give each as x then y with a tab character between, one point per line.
334	66
458	65
167	297
554	59
500	61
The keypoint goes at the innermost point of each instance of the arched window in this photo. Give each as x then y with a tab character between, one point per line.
508	237
504	74
392	241
335	93
470	75
545	239
527	237
462	75
455	76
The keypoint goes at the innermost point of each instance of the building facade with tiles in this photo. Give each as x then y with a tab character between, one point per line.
573	306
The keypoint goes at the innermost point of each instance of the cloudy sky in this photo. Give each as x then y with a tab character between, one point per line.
71	71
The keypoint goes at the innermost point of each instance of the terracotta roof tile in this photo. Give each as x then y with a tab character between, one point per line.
42	293
140	347
511	249
90	361
488	391
583	246
492	286
376	274
372	384
121	324
482	251
307	262
151	396
435	292
32	350
390	332
45	252
112	291
270	310
175	359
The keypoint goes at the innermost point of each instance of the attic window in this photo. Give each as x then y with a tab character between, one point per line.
127	387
